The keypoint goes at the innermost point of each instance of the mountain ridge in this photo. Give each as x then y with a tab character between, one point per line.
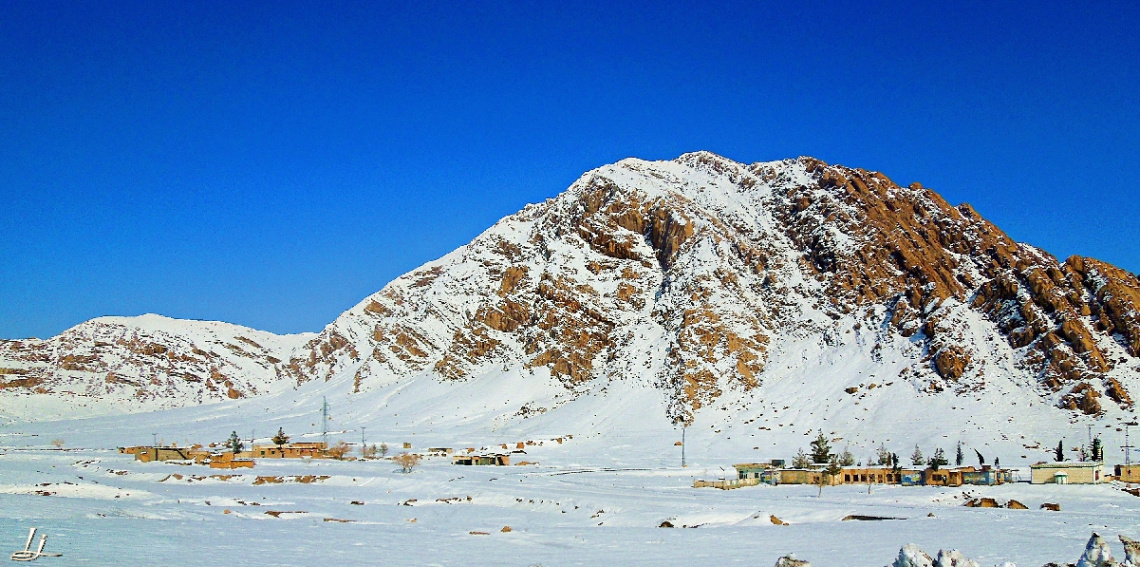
695	275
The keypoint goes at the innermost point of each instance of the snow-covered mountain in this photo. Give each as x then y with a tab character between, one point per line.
133	364
697	276
699	285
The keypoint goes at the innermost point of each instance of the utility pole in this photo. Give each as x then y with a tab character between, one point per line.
1127	447
154	439
324	420
684	426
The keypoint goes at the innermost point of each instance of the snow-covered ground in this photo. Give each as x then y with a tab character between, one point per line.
597	498
100	507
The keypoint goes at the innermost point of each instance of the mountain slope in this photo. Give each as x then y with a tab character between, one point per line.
693	276
132	364
698	289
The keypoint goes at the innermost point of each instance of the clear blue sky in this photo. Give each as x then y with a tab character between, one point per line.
270	164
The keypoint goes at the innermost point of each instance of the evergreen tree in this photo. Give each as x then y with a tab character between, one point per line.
938	460
1059	454
820	449
383	449
895	467
959	457
846	458
884	455
234	443
997	463
280	439
833	469
981	459
916	457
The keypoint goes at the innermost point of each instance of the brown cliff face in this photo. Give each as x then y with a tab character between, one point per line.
694	269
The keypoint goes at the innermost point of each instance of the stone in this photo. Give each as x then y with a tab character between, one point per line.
911	556
1131	550
1097	553
790	560
953	558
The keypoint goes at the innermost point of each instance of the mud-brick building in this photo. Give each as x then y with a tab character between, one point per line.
317	450
873	475
149	454
808	476
1128	473
491	459
1067	473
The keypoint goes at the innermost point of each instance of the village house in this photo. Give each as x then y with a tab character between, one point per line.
871	475
807	476
316	450
490	459
147	454
1067	473
751	474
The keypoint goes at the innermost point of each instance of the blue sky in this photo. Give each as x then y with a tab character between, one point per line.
270	164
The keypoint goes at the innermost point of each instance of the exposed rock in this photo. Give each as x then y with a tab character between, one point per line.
911	556
790	560
983	503
953	558
1051	506
1097	553
1131	550
1082	397
777	521
951	362
1114	390
1015	505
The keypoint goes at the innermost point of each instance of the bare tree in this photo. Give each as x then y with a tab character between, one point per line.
407	461
339	450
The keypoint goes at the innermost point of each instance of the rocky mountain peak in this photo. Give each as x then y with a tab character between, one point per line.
692	274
